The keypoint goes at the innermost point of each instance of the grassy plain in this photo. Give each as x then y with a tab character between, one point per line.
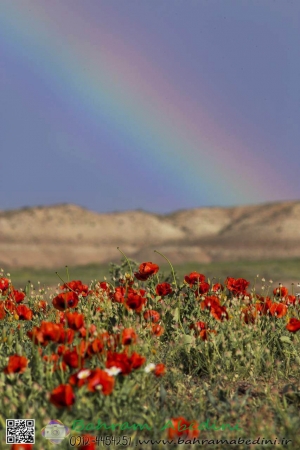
279	271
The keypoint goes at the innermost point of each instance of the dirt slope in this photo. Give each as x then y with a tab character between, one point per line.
53	236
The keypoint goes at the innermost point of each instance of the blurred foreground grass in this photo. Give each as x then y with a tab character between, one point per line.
279	271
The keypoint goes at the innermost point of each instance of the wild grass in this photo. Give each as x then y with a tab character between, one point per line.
245	375
279	271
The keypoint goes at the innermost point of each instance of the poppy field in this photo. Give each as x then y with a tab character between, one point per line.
153	358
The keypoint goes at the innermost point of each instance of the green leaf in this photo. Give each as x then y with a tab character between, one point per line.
286	339
176	315
27	289
187	339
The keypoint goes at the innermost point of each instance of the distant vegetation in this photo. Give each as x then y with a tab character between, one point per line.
279	271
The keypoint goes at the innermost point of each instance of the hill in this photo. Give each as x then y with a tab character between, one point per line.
53	236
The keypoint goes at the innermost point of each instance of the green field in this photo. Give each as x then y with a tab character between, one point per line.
279	271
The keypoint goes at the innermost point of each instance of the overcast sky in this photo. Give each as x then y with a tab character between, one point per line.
159	105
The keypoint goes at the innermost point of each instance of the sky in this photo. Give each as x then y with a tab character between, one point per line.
157	105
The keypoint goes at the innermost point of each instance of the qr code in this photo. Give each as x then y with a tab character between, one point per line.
20	431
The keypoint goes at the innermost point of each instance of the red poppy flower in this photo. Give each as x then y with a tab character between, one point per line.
96	346
159	370
76	286
146	270
218	287
48	331
219	312
183	428
100	380
62	396
293	325
237	286
204	334
16	364
24	312
105	286
65	300
136	360
152	316
157	330
278	309
263	307
194	278
66	336
2	310
75	320
163	289
16	296
203	288
135	302
119	360
42	305
281	291
61	349
82	331
198	326
141	277
209	302
118	295
82	348
128	336
10	305
290	300
73	359
4	284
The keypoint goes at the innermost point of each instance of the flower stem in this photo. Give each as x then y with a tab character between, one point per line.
65	283
118	248
68	275
170	265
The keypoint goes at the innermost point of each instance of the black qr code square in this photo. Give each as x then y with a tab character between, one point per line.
20	431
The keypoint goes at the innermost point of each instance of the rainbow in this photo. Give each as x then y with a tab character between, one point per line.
111	86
